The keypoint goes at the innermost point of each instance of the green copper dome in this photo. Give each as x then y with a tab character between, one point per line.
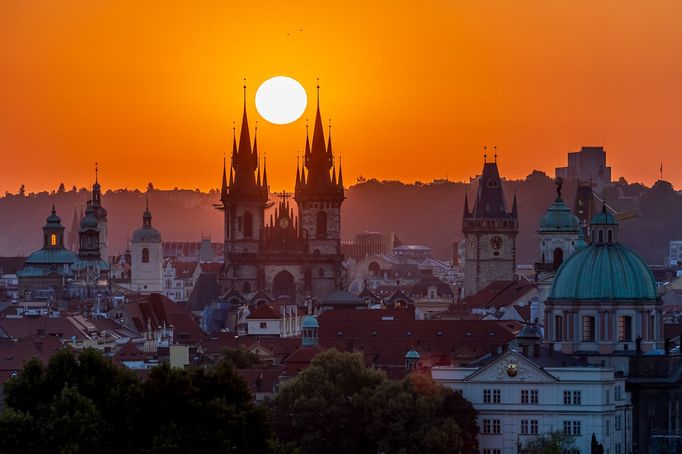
56	256
604	271
603	218
559	218
309	323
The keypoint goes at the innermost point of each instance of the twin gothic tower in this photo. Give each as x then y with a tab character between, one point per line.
295	255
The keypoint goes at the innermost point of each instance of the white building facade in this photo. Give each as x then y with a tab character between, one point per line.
518	397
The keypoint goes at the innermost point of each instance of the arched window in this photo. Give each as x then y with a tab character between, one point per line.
558	328
247	287
588	328
625	328
283	284
321	224
374	269
558	257
610	236
53	239
601	235
248	225
145	255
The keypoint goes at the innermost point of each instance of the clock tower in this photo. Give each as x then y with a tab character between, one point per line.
490	233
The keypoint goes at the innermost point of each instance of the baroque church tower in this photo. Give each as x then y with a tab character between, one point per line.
101	215
490	233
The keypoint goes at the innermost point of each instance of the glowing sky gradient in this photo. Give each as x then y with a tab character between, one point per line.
414	89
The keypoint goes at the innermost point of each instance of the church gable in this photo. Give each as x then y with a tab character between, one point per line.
512	367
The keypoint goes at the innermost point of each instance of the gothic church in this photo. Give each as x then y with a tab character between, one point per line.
296	255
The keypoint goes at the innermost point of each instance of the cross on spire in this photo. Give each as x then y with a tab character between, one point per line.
96	172
284	195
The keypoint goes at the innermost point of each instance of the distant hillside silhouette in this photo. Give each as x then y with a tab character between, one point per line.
428	214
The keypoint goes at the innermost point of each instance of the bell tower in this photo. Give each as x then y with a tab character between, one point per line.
243	199
490	233
319	195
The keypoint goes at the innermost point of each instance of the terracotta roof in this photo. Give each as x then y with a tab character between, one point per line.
211	268
369	314
265	312
28	326
128	352
15	352
184	270
499	294
159	310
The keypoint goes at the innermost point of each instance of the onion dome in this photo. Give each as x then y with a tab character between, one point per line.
559	218
53	221
89	221
146	234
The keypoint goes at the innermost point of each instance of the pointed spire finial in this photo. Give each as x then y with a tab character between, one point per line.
244	93
485	154
318	92
495	147
53	209
96	172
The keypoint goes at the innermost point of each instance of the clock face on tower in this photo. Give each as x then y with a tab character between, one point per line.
283	223
496	243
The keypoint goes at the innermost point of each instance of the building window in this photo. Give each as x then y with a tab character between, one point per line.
617	393
321	231
608	397
248	224
529	396
571	427
53	239
572	398
558	258
607	428
619	422
145	255
321	272
619	448
263	325
496	396
625	328
487	396
558	328
529	426
491	426
588	328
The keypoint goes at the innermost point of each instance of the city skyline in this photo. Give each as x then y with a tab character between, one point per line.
152	94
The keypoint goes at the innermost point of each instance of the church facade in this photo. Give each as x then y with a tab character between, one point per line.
295	254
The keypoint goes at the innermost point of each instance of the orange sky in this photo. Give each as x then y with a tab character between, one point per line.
414	89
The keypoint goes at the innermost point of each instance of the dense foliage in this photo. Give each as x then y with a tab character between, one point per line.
84	403
551	443
337	405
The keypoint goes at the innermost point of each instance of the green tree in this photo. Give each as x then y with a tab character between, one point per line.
552	443
338	405
242	358
84	403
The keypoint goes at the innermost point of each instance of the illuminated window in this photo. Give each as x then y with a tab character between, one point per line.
53	239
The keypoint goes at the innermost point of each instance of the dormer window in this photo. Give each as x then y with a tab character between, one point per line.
601	236
610	236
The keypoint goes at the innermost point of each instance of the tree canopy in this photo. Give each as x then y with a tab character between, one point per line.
84	403
337	405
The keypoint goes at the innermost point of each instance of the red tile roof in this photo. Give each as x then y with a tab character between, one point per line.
499	294
265	312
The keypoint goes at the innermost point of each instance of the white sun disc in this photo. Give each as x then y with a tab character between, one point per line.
281	100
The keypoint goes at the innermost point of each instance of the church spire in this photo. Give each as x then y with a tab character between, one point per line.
319	163
330	155
306	156
515	210
265	173
255	154
223	188
466	204
298	172
340	174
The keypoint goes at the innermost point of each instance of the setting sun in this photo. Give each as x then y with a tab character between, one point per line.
281	100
